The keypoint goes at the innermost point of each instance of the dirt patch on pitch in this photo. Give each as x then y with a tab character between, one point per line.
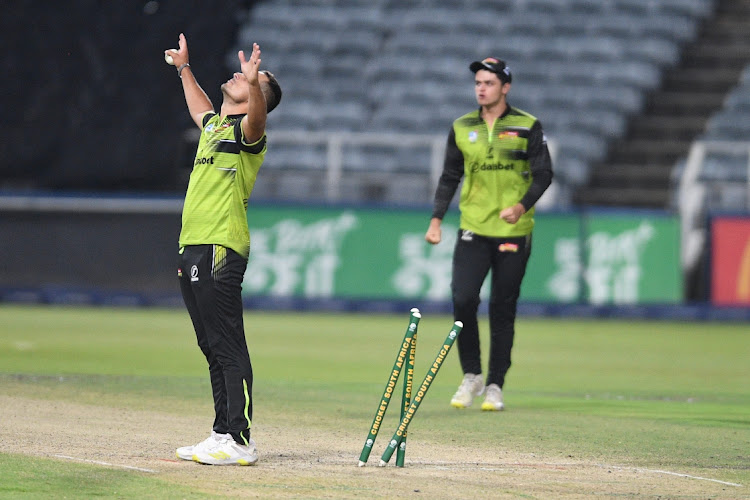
310	463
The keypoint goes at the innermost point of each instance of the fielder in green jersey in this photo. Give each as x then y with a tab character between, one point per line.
501	154
215	243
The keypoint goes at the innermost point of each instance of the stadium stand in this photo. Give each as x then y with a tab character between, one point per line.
637	96
644	167
584	67
622	86
88	103
731	121
714	176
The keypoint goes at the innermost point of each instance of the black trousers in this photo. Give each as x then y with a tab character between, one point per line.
211	285
473	258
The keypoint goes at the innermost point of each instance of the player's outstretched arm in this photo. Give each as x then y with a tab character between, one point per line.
254	123
197	101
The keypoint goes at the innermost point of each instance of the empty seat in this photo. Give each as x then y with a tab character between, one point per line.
640	8
674	28
481	23
621	98
603	124
687	8
297	67
310	43
569	23
397	116
585	147
729	125
434	45
724	196
555	7
281	119
739	99
295	113
295	156
517	48
598	49
339	64
356	4
590	6
414	159
641	74
270	14
344	116
621	26
266	36
665	53
370	158
344	87
427	91
407	190
533	97
725	167
361	44
745	76
430	20
573	170
300	186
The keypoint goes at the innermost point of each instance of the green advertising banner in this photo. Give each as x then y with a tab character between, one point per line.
553	273
348	253
381	254
632	259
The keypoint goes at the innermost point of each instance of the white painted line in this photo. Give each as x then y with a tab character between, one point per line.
442	465
657	471
106	463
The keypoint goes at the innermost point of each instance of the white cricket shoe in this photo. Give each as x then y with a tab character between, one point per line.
226	451
471	387
493	401
187	452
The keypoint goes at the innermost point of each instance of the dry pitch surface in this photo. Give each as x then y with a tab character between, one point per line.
309	463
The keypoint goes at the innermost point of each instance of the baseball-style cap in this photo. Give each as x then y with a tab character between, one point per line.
495	65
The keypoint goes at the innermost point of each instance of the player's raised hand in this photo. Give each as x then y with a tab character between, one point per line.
179	56
250	66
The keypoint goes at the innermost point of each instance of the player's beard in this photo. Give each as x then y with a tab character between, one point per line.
228	95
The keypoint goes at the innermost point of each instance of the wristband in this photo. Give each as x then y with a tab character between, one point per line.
182	66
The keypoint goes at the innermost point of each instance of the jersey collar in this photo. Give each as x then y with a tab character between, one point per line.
505	113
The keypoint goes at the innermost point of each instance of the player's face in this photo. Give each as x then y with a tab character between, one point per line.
488	88
237	87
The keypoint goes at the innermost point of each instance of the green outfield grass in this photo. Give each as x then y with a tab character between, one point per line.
661	395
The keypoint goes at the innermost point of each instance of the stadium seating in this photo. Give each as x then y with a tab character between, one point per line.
725	169
731	121
582	66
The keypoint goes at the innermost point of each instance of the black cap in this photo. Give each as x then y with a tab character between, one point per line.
495	65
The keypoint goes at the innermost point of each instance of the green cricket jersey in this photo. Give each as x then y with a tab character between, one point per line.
223	176
501	166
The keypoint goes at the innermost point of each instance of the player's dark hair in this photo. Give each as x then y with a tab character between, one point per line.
272	91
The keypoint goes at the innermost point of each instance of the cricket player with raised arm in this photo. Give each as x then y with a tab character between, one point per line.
214	243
